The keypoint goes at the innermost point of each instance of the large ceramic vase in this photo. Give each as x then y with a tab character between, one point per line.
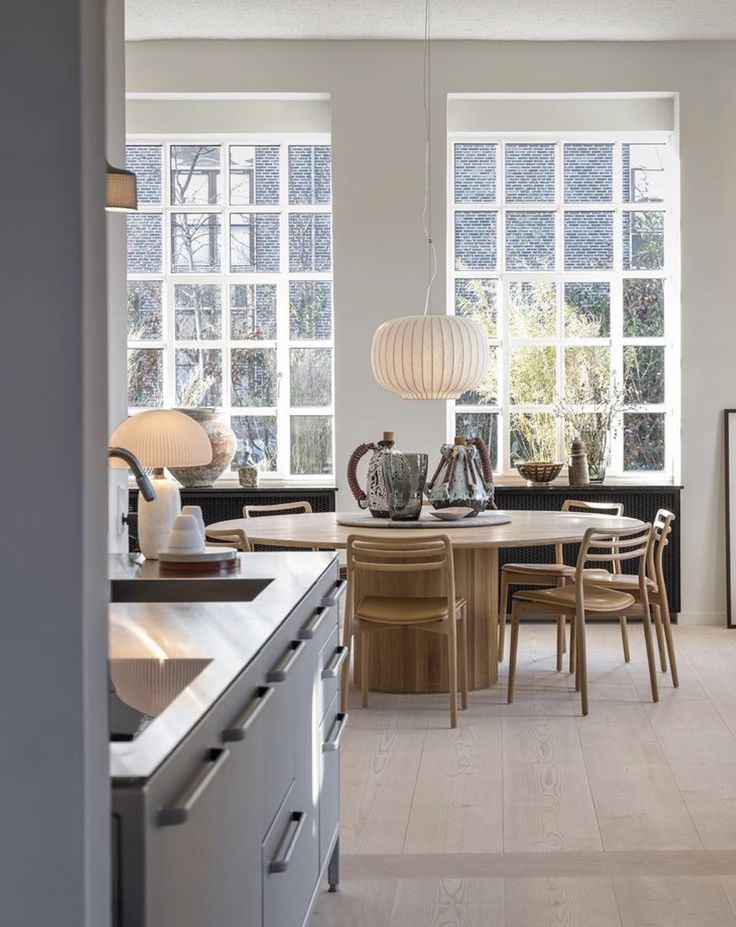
224	444
464	477
374	496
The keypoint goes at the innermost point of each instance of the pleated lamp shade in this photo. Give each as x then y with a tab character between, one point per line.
430	357
121	190
163	438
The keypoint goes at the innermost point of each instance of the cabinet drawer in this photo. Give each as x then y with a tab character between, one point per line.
289	865
331	658
329	800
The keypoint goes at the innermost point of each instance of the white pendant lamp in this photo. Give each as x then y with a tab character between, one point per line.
429	356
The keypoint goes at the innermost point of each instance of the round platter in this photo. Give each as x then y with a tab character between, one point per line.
483	520
208	555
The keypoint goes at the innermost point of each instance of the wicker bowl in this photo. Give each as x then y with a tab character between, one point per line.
539	472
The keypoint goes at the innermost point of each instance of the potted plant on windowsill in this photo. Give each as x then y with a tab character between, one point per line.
596	424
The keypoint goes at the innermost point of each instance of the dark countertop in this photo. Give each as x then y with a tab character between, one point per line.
229	634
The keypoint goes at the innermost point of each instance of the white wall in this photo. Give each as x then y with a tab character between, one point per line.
380	258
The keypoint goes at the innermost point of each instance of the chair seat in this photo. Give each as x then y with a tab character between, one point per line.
555	569
400	610
597	599
623	581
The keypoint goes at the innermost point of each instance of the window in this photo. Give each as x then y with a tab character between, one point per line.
564	249
230	291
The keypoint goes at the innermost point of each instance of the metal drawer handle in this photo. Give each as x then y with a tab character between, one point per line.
337	659
312	626
247	718
279	672
329	601
179	811
333	738
280	862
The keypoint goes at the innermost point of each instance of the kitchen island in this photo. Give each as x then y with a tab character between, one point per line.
225	730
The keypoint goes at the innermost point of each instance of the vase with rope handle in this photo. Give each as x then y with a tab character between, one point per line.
374	497
464	477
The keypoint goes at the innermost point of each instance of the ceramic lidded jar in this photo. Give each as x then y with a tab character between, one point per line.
224	444
464	477
374	496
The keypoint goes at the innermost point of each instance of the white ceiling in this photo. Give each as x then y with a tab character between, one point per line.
451	19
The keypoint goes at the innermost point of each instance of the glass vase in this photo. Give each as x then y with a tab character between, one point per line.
598	459
404	476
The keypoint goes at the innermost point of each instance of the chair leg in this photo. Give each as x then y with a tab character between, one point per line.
463	645
560	641
625	638
515	616
651	660
502	614
452	662
660	637
364	669
572	663
670	641
582	662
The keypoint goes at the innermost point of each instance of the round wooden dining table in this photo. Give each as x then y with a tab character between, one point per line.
415	661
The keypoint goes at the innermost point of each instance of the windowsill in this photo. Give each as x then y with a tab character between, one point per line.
635	482
272	483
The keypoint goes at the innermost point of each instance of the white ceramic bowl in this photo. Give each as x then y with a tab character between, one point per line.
186	535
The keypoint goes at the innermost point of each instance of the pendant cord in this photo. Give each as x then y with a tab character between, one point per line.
427	212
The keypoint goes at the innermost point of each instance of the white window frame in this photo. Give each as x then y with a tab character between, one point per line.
669	274
283	411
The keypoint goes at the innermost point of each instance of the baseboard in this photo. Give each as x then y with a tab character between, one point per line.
714	619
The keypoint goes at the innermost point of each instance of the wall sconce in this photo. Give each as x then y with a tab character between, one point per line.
121	190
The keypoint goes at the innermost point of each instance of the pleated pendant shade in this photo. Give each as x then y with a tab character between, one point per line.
430	356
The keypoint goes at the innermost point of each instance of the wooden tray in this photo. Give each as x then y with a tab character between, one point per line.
483	520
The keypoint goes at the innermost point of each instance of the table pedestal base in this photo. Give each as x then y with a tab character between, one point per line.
406	661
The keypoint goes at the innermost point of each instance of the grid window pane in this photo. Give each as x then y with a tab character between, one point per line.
252	311
587	374
530	173
311	444
644	179
254	175
475	173
476	247
310	170
588	173
145	377
588	240
310	310
310	247
643	240
530	241
145	162
195	175
477	299
643	308
195	243
254	243
257	441
533	375
198	376
311	376
533	436
145	245
644	374
145	322
587	310
197	312
487	393
483	425
532	310
644	441
253	377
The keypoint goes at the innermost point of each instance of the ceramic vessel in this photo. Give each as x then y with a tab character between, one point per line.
224	444
404	476
373	497
464	477
186	535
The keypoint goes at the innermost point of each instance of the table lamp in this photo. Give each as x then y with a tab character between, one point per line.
161	438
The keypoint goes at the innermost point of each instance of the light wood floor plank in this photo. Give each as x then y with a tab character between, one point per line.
448	903
668	902
576	902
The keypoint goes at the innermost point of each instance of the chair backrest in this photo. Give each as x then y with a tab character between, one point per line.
614	548
219	537
370	555
606	508
283	508
661	530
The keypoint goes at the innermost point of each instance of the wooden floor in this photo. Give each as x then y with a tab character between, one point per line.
528	815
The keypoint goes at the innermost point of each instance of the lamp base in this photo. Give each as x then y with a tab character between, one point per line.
156	519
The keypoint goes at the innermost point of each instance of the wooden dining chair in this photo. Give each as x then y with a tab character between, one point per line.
656	589
368	561
281	508
553	574
227	537
583	599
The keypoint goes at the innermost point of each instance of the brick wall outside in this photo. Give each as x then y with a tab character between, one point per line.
309	175
475	241
145	160
588	240
530	173
144	243
588	173
267	175
475	173
310	247
530	241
